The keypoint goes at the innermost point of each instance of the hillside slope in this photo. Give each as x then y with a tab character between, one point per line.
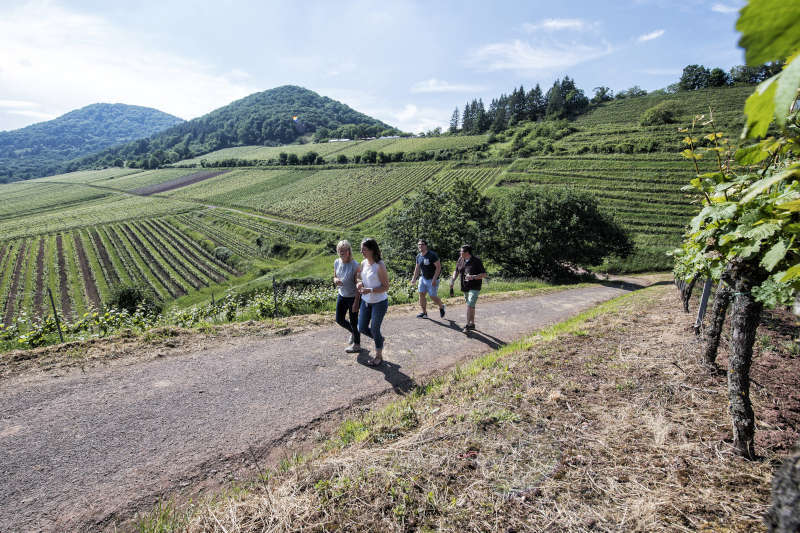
635	171
276	116
41	149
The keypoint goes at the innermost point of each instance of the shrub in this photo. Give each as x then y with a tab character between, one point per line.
223	254
545	232
132	297
663	113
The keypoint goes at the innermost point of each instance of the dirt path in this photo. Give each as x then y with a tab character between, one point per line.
86	449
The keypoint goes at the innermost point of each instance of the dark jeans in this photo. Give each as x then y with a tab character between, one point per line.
344	305
372	315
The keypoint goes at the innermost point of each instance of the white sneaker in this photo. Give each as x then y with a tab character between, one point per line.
353	348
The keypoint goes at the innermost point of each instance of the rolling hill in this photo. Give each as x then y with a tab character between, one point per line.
42	149
268	118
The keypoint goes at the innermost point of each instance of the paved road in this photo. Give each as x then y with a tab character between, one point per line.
86	448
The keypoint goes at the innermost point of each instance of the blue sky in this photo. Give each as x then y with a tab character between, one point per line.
408	63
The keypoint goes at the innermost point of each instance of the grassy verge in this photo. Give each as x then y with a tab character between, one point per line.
605	421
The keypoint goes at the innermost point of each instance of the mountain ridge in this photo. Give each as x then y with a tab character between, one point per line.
42	148
280	115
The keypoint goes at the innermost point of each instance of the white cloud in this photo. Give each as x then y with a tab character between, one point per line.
522	56
723	8
650	36
416	119
65	60
557	25
32	114
409	117
438	86
17	103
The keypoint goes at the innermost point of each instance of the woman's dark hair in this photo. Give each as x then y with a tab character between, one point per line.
372	245
466	248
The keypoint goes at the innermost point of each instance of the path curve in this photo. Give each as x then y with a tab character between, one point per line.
85	449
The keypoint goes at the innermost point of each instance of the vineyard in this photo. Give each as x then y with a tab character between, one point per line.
81	267
634	171
339	197
331	150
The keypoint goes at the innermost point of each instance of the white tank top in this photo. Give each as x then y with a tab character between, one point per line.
370	279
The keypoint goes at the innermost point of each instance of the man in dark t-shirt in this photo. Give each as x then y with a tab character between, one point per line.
471	272
428	263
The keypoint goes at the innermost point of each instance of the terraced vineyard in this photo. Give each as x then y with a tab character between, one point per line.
642	192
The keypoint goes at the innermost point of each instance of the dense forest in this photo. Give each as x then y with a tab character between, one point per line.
278	116
41	149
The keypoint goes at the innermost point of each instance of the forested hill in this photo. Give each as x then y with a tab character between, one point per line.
42	149
276	116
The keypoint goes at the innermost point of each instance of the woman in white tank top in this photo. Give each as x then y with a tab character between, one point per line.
372	284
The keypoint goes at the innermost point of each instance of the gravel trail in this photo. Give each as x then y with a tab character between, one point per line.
84	450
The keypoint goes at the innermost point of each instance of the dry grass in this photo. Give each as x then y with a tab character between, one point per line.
608	424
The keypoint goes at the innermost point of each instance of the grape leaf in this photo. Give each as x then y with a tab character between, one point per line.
764	184
793	272
774	256
786	92
751	155
769	30
760	108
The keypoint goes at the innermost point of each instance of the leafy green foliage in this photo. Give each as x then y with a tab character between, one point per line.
546	232
446	219
750	215
132	298
769	30
661	113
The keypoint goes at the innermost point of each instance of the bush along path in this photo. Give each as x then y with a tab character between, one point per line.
88	447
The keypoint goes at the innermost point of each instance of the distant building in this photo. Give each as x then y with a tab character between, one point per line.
390	137
337	140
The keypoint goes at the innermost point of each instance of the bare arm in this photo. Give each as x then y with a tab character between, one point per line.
383	275
438	271
416	273
359	283
356	276
336	281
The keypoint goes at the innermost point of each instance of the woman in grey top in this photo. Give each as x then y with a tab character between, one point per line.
344	277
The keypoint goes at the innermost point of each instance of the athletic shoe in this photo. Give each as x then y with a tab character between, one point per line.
469	327
353	348
441	311
422	315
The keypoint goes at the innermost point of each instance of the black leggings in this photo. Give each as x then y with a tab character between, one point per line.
344	305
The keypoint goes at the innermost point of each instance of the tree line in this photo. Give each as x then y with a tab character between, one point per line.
563	100
539	232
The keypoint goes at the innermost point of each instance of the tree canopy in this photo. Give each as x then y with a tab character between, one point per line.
42	149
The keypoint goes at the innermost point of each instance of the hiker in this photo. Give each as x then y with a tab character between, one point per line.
470	270
348	300
373	284
428	262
